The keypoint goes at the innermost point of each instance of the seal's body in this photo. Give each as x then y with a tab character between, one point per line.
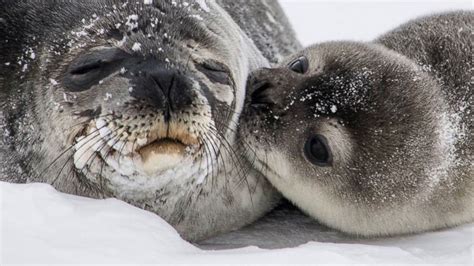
137	100
372	138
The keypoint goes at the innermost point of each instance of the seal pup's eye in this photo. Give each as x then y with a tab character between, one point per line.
88	69
299	65
317	151
215	72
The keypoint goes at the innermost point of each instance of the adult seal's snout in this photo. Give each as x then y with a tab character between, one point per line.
163	88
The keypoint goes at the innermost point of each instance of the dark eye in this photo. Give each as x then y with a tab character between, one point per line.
299	65
88	69
317	151
215	72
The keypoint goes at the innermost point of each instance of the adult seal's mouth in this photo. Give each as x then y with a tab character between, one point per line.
162	154
149	152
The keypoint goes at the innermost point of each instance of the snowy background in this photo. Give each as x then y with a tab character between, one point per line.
40	225
317	21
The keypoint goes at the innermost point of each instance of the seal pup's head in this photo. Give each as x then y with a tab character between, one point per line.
136	100
352	133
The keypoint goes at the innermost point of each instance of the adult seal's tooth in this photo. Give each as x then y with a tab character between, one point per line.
177	52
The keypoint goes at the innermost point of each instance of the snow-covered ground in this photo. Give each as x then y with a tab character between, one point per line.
38	225
42	226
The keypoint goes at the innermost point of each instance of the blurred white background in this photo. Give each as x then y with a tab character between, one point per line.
319	20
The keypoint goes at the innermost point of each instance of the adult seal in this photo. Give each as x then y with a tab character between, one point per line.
373	138
138	100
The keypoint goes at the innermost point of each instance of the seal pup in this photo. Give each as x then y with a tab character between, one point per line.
373	139
137	100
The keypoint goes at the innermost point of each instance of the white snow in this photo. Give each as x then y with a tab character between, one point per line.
53	82
132	22
136	47
42	226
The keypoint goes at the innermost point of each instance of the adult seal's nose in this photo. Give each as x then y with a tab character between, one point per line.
163	88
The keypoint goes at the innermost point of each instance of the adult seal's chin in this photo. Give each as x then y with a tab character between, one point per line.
136	101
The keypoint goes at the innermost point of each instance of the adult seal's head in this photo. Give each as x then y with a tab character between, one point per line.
365	139
136	100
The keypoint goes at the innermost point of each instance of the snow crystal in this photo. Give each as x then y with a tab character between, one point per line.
53	82
333	109
108	96
80	33
136	47
67	98
7	63
198	17
148	2
203	5
132	22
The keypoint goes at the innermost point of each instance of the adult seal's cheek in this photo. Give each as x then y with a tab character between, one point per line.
135	101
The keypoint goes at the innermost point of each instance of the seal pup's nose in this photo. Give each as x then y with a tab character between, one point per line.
261	88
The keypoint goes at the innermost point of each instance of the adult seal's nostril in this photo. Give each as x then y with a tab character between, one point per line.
164	79
148	88
164	89
180	93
